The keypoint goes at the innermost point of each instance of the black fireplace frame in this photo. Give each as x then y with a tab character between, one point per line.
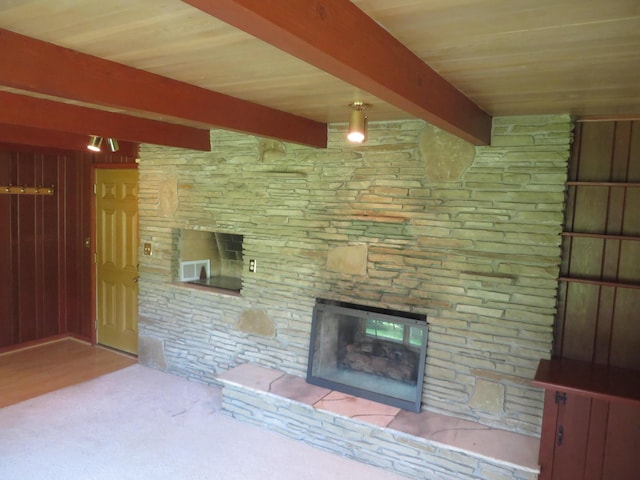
407	319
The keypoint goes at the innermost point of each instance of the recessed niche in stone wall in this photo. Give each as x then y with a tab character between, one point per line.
212	259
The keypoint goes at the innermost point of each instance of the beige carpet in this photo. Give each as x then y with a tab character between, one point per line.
139	423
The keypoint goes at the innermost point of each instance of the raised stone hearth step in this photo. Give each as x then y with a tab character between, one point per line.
420	446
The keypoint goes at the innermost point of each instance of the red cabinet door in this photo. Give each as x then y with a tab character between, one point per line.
621	457
585	438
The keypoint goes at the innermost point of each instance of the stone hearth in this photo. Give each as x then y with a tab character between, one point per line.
418	445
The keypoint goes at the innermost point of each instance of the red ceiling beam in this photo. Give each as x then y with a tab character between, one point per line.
339	38
38	137
41	67
35	112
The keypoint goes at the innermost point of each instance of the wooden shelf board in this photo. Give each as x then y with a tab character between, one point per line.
574	183
600	235
598	282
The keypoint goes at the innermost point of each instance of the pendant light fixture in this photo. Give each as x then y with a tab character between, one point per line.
357	123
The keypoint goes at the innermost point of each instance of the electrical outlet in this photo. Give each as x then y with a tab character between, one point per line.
146	249
252	265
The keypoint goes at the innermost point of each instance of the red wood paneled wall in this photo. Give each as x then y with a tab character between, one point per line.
599	297
45	267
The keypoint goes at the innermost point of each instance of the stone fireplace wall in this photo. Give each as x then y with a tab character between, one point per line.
412	220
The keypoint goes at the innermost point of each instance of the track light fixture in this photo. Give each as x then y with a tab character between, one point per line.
113	144
357	123
94	143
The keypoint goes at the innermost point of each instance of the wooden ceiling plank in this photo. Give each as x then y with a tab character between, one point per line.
38	137
34	112
339	38
44	68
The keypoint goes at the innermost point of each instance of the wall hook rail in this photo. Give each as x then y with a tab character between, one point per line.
24	190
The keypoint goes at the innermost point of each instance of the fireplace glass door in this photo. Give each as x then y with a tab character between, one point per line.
368	352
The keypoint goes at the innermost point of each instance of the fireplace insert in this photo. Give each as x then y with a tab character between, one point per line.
368	352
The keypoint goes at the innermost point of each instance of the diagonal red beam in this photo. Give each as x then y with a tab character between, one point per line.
34	112
339	38
38	137
42	67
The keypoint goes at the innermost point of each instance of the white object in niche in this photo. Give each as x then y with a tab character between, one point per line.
191	270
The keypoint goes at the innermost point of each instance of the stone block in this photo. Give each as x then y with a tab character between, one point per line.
256	322
483	311
350	260
168	197
488	396
151	352
269	149
446	157
512	140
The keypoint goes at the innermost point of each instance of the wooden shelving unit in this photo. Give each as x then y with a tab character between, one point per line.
591	413
601	236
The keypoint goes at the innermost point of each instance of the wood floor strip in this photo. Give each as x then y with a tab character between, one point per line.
44	368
